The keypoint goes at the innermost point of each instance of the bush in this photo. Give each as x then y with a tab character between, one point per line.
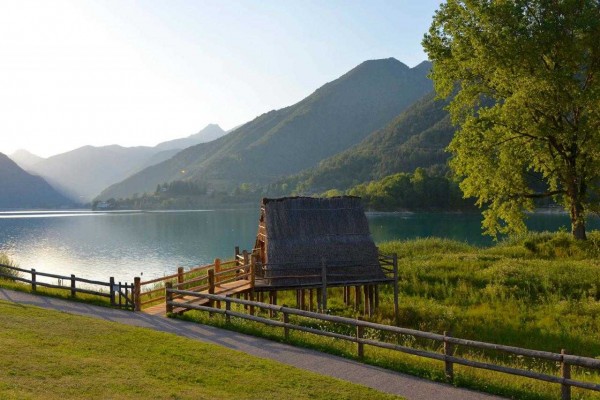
6	261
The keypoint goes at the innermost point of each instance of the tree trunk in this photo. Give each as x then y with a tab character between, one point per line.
577	221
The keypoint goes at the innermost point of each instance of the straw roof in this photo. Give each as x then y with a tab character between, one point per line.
302	233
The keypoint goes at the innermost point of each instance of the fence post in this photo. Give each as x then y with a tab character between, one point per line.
252	268
217	269
227	309
246	261
324	286
73	285
360	331
286	320
111	290
33	284
168	297
211	286
179	276
137	294
448	352
396	305
565	371
235	256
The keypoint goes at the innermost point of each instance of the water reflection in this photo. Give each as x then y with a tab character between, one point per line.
153	244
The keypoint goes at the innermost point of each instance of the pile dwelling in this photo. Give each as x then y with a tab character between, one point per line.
311	244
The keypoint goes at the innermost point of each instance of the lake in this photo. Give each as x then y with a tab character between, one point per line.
97	245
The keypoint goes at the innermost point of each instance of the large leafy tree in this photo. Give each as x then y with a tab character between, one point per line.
524	78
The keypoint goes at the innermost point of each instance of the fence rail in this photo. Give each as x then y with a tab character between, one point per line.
449	342
121	295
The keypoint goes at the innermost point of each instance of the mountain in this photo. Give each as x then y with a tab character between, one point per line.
208	134
23	190
25	159
82	173
282	142
415	138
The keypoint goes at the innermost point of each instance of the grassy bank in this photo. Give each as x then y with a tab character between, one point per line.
52	355
539	291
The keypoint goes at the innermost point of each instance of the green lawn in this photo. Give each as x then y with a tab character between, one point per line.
52	355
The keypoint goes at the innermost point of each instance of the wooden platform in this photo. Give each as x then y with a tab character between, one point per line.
226	289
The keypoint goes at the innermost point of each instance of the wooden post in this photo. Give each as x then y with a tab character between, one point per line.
396	305
73	292
237	253
228	308
310	300
565	371
33	284
168	297
120	299
360	331
217	269
323	286
211	285
273	301
251	278
286	320
376	296
448	352
246	261
112	291
252	272
367	300
357	297
179	276
319	298
303	299
137	294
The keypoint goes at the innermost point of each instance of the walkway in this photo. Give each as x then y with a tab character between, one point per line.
378	378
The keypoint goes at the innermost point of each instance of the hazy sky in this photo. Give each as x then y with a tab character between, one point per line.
140	72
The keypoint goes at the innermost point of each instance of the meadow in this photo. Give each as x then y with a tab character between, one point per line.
539	291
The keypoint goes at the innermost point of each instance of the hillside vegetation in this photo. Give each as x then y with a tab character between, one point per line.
540	291
282	142
415	138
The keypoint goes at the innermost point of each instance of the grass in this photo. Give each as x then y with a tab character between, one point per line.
539	291
52	355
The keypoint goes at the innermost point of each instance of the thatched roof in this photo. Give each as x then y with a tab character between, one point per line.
301	233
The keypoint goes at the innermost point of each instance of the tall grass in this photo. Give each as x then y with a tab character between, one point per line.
538	291
6	261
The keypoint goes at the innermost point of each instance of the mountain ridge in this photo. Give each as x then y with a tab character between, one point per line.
281	142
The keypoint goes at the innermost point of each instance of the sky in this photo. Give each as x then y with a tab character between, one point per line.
127	72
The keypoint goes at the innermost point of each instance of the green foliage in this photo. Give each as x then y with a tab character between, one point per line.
523	79
546	299
415	138
416	191
5	260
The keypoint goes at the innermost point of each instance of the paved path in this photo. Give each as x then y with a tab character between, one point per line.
378	378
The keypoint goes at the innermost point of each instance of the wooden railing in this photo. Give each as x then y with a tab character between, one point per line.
449	342
121	295
195	279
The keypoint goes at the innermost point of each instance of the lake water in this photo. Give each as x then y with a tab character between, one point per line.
97	245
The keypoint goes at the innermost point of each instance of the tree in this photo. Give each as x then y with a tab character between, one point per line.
523	77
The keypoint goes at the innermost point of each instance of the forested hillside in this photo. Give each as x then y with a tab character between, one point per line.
276	144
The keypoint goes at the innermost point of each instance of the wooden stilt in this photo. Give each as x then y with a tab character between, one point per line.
367	300
376	296
310	300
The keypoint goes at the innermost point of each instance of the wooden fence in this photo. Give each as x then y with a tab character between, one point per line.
197	279
121	295
449	342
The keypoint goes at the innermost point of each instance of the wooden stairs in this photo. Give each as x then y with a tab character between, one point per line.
224	289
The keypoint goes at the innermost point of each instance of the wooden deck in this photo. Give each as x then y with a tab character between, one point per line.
225	289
